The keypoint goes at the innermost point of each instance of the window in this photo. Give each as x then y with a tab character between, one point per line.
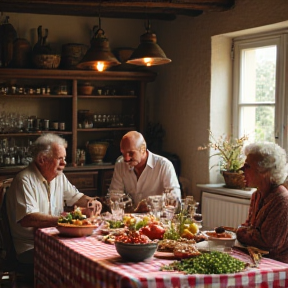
259	87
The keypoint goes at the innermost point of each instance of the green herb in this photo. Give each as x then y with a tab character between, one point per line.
207	263
115	224
171	233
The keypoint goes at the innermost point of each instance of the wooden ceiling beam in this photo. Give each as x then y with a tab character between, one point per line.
156	9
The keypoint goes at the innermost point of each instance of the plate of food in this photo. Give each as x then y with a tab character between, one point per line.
176	249
75	224
72	230
220	239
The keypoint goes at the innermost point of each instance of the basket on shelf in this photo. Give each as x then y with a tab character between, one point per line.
47	61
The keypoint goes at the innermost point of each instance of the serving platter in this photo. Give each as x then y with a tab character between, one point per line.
71	230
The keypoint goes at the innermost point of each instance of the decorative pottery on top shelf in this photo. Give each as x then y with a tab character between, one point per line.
234	180
46	61
97	151
72	54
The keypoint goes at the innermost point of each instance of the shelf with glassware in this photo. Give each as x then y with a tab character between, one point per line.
54	95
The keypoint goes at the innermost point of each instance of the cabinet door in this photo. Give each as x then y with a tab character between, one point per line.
85	182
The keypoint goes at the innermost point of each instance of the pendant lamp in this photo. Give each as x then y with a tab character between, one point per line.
148	53
99	56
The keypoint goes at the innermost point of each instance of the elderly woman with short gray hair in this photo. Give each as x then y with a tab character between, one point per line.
266	227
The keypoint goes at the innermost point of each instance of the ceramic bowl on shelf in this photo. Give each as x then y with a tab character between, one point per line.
97	151
85	89
136	252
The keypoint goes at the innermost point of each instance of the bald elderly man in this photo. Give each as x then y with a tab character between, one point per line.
141	173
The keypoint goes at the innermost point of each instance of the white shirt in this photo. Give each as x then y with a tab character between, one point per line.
28	194
158	174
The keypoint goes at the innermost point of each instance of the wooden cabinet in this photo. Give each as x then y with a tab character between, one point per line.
54	95
24	92
85	182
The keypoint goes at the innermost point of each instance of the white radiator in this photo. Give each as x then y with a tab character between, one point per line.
220	210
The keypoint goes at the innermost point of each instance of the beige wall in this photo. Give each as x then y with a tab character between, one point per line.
180	97
184	87
69	29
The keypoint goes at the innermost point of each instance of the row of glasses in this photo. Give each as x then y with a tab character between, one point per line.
165	205
117	201
11	122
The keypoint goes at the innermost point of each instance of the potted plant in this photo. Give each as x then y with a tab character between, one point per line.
230	150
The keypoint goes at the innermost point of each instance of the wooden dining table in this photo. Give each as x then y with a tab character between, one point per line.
82	262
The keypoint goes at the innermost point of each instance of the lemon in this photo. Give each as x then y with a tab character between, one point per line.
193	228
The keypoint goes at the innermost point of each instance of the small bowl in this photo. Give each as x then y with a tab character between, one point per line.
136	252
46	61
218	243
85	89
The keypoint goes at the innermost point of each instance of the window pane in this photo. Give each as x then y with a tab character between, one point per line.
258	75
258	123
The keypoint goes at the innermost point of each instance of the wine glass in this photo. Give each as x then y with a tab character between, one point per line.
170	202
115	201
156	203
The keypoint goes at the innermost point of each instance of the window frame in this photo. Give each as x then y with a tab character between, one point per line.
280	39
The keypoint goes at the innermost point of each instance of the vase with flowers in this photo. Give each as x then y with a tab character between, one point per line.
230	151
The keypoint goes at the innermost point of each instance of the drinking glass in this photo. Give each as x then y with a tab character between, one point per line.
156	203
170	202
116	204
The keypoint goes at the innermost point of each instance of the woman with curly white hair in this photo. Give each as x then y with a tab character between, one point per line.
266	227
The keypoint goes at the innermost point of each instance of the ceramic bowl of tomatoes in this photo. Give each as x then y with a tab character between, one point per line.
136	252
135	247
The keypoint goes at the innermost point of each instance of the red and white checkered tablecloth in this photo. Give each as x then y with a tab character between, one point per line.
86	262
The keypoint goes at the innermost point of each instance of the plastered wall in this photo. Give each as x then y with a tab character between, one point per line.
185	87
180	98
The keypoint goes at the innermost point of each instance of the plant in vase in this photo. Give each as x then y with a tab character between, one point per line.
230	150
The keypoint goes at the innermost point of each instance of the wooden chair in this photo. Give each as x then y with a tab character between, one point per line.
11	270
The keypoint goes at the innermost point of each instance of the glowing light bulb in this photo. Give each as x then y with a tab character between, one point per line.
100	66
147	61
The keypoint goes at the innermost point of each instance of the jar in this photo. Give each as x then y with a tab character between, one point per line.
46	124
29	124
55	125
62	126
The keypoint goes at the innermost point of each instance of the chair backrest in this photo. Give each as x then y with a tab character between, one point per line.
7	251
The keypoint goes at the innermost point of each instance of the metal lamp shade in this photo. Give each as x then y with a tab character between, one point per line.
148	52
98	57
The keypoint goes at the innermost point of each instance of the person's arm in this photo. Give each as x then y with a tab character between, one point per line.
117	182
39	220
270	229
170	179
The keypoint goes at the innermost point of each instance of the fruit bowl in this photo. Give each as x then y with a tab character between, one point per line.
70	230
136	252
